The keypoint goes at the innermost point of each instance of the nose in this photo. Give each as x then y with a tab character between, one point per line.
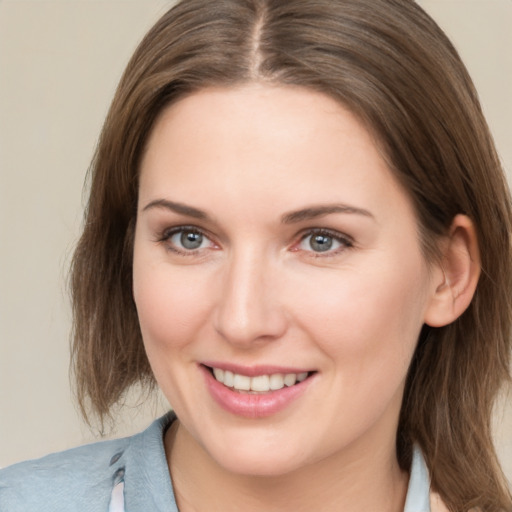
249	309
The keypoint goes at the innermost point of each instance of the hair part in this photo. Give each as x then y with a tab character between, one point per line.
393	67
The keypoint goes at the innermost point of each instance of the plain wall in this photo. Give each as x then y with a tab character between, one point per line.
59	64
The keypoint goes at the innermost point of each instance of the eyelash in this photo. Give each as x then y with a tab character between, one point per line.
167	234
344	241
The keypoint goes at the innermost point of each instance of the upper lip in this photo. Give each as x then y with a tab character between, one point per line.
254	371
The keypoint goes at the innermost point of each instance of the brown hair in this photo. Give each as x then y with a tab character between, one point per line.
393	67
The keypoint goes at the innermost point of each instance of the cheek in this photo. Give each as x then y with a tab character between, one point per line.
373	315
171	312
170	305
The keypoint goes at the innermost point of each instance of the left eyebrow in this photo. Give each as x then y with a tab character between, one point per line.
179	208
314	212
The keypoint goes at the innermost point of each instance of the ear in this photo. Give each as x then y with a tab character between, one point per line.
456	275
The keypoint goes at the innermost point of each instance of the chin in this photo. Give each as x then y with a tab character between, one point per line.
259	465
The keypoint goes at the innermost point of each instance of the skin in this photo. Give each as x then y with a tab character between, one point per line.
257	293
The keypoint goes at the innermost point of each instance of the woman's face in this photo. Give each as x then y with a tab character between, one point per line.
275	249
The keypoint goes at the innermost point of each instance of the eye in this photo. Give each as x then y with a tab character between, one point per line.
323	241
189	240
185	239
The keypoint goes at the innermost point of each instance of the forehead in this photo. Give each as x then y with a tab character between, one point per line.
279	144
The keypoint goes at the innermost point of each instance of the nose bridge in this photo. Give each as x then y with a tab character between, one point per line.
249	307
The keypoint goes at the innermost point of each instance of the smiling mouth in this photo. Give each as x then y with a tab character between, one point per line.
259	383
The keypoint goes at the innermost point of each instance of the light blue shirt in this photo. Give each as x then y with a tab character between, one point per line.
125	475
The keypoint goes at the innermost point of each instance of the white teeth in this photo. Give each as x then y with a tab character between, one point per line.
242	382
219	374
228	379
302	376
290	379
276	381
260	383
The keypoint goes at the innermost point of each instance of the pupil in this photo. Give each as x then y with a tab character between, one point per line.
321	243
191	240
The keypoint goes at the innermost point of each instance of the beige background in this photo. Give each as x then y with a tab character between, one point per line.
59	64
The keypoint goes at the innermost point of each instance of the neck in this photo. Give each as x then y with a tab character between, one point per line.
356	480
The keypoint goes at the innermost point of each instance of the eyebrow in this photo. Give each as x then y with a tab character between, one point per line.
180	208
314	212
301	215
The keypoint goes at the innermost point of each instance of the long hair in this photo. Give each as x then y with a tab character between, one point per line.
394	68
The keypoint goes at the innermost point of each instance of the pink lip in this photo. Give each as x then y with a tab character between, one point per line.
253	405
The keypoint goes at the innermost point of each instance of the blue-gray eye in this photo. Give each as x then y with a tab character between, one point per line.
323	242
191	240
188	239
320	243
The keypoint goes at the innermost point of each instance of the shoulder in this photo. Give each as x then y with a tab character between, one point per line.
76	479
80	479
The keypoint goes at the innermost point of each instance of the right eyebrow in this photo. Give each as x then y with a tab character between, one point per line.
319	211
180	208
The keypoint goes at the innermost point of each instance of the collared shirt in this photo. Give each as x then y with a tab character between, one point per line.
418	492
125	475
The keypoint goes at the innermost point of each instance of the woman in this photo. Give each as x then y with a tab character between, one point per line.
299	228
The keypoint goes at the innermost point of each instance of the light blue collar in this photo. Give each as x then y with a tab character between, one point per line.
147	450
418	493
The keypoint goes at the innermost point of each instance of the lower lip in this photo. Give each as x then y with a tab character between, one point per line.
251	405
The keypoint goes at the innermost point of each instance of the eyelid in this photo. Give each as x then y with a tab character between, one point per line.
345	240
169	231
166	234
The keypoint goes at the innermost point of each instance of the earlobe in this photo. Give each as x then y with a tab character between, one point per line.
456	275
